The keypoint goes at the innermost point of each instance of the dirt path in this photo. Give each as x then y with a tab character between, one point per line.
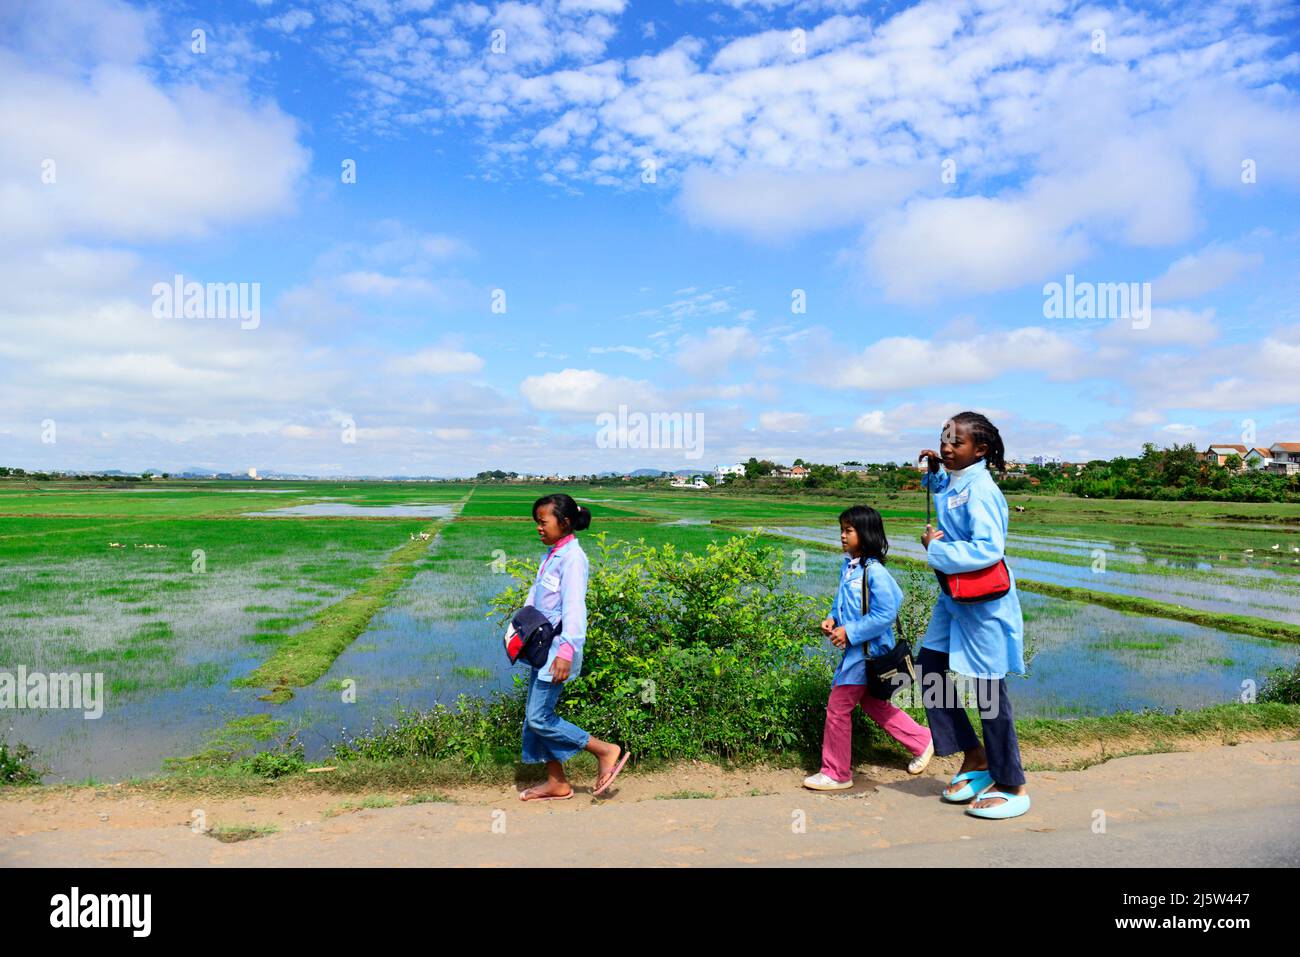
1212	806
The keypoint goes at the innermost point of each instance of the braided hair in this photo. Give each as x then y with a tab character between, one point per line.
983	432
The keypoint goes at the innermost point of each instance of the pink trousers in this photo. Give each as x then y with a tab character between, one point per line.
837	740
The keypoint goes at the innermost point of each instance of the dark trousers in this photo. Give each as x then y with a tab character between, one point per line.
952	728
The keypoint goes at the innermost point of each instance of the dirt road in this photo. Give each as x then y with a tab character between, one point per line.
1215	806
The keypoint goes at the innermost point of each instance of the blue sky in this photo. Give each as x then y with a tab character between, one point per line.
504	146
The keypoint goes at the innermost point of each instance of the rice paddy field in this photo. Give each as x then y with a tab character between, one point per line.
194	600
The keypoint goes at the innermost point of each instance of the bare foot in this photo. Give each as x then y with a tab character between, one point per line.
995	801
550	789
974	760
607	761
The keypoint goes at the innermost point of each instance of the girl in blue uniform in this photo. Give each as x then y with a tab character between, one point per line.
984	641
861	635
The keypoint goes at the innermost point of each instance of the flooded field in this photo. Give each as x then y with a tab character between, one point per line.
174	596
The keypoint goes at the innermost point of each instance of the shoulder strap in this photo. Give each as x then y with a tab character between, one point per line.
866	594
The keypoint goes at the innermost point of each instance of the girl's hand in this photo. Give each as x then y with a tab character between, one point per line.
828	626
559	669
932	534
839	637
932	459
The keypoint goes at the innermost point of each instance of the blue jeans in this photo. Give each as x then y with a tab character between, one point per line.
548	737
952	728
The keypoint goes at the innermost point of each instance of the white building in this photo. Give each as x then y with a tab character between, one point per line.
1286	457
1043	460
1258	458
722	472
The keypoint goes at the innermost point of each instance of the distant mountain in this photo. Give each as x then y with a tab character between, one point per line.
655	473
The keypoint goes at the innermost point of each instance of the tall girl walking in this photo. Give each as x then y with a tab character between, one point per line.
984	640
560	593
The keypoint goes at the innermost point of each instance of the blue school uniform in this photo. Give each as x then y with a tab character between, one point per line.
985	640
560	593
869	635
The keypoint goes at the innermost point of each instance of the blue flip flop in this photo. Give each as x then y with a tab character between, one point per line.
1013	805
975	780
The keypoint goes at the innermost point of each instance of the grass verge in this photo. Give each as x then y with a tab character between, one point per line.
305	656
1047	744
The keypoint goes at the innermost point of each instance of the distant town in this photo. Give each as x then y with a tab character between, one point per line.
1213	469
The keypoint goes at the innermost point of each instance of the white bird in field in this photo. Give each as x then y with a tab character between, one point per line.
1276	547
1295	548
1250	551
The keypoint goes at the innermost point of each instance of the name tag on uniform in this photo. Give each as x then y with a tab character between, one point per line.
959	499
551	582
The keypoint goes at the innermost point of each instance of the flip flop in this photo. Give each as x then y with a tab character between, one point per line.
976	781
545	797
612	775
1014	805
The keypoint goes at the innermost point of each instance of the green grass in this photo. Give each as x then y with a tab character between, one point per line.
303	657
370	802
232	834
309	586
225	744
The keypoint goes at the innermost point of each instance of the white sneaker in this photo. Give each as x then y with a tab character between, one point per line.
820	782
919	763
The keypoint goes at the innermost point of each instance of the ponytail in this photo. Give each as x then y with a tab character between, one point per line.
573	517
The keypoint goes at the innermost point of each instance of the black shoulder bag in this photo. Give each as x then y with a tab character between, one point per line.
891	672
531	637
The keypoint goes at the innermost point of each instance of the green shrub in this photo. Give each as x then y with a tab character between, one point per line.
17	766
289	757
1281	686
686	655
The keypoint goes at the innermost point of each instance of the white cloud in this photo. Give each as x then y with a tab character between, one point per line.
905	362
438	362
638	351
784	421
1249	378
1168	327
940	247
364	283
1196	274
131	159
291	20
717	349
772	204
586	390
